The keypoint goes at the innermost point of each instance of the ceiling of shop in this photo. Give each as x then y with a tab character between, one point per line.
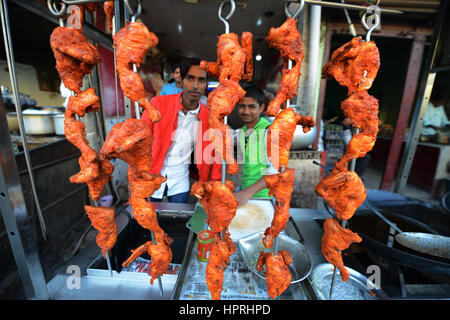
191	27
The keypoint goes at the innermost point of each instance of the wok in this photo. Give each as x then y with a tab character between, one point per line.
410	215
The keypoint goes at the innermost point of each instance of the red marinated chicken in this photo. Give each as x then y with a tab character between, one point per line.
288	41
354	65
221	102
280	186
344	191
334	240
234	62
130	141
102	219
278	276
132	42
108	7
280	135
75	56
219	256
219	202
160	254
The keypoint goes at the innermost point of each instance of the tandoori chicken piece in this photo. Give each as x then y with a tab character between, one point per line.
280	186
143	184
161	256
358	147
234	62
221	102
84	102
334	240
219	256
130	141
354	65
102	219
75	132
145	214
280	134
219	202
288	41
108	7
132	43
75	56
344	191
94	174
278	276
362	109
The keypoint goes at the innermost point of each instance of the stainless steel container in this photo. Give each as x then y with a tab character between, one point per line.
251	246
58	122
38	121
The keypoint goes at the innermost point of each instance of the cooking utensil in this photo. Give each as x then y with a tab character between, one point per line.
252	245
431	244
58	123
357	287
38	121
13	122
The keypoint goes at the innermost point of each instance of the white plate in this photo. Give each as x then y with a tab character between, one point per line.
253	217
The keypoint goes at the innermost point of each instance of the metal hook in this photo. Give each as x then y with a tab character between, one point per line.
373	27
130	10
224	20
297	13
51	4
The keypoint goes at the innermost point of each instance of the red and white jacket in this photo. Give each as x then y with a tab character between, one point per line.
169	106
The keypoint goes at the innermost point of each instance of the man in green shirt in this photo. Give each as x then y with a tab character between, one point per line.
251	141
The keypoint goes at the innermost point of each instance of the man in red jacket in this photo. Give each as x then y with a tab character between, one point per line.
181	131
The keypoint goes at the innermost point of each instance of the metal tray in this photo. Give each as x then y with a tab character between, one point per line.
251	246
357	287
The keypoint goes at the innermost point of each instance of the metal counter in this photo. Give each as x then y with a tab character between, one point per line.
99	285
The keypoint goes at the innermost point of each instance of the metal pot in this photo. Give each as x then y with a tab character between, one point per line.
58	122
38	122
303	140
13	122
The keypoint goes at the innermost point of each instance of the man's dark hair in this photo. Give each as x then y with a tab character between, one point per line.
176	66
186	65
256	93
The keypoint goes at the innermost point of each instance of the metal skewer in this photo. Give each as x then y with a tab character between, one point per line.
353	163
225	120
161	290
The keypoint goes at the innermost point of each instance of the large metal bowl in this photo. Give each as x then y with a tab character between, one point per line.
300	140
251	246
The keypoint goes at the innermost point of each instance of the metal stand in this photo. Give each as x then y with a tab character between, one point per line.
15	89
12	203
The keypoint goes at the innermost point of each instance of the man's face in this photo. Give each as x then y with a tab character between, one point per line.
250	110
176	75
194	84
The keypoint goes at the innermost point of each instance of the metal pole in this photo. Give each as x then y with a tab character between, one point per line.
426	87
348	6
15	88
16	219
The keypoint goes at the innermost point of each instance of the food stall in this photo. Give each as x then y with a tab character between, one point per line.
311	241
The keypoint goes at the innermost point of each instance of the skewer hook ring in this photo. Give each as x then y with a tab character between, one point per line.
51	4
297	13
373	27
230	14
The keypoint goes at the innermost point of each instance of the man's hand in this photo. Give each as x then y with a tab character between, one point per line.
243	196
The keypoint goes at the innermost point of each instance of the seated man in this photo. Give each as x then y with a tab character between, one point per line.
184	120
175	85
252	146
